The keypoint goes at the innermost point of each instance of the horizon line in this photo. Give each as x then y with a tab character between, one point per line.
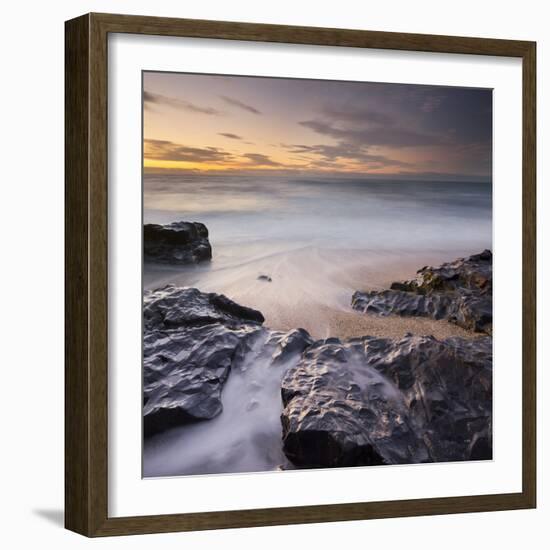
435	176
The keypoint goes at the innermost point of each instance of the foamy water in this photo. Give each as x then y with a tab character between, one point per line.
246	437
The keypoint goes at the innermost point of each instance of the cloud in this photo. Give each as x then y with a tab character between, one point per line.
229	135
240	105
150	98
392	136
158	149
344	151
451	125
258	159
357	115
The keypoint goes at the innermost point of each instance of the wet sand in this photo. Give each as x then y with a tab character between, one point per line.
285	309
349	324
316	295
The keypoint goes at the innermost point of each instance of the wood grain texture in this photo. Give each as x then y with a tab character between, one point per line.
86	258
529	274
198	28
77	387
98	284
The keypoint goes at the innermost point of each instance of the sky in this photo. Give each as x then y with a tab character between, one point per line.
238	124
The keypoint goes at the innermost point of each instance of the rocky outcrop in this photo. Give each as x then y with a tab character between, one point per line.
459	291
192	340
176	243
371	401
356	402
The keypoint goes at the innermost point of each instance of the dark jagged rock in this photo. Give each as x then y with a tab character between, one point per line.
265	278
192	340
289	345
459	291
374	401
176	307
473	273
184	371
176	243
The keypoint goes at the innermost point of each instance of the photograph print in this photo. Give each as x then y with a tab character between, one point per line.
317	274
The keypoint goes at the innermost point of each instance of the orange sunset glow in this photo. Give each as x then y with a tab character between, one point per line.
203	123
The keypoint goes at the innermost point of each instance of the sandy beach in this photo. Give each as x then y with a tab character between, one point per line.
312	290
343	324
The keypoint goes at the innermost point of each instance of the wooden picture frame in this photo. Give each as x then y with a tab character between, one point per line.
86	294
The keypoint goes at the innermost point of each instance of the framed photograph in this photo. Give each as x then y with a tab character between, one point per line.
300	275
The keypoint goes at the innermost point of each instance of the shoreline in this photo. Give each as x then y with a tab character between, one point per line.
324	315
345	325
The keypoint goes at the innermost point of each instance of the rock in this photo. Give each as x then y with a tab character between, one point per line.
175	307
228	307
459	291
265	278
184	371
289	345
192	341
371	401
473	273
176	243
